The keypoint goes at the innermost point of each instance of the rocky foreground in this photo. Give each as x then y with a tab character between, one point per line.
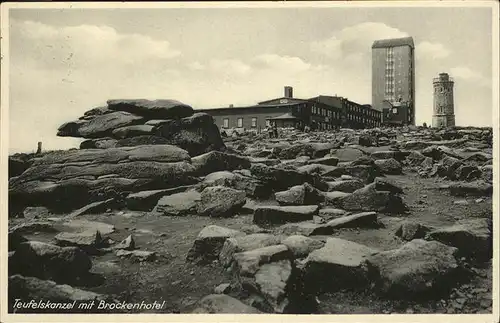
156	206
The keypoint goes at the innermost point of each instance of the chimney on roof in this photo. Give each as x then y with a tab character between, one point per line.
288	92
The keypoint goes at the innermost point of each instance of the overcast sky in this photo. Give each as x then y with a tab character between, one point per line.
64	62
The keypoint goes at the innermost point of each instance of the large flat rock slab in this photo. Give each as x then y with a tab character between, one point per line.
282	179
337	265
252	187
348	154
179	204
209	243
147	200
63	187
472	237
132	131
274	282
269	215
197	133
31	288
347	186
304	194
302	246
216	161
152	109
417	268
220	201
247	263
358	220
369	198
48	261
158	153
476	188
99	125
246	243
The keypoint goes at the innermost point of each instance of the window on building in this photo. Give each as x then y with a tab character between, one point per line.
225	123
394	110
240	122
254	122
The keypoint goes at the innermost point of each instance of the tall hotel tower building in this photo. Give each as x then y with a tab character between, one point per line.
393	80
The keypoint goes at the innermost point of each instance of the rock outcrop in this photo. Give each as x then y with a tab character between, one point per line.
151	122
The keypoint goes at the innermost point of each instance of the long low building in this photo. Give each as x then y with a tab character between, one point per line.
321	112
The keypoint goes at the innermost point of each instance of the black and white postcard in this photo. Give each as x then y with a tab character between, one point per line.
250	161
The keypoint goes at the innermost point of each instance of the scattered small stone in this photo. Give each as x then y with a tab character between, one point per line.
223	304
224	288
137	255
486	303
127	244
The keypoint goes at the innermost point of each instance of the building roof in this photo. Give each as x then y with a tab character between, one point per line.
257	106
394	42
286	116
274	103
282	98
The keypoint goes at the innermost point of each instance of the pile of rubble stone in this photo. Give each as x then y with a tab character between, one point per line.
161	157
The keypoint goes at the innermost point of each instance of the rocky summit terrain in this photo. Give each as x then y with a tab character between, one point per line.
156	206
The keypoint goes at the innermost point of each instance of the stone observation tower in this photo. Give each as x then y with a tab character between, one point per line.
444	114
